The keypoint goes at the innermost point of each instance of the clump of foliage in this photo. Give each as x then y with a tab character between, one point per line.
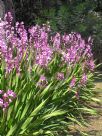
46	81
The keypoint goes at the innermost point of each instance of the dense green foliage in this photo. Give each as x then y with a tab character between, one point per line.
49	111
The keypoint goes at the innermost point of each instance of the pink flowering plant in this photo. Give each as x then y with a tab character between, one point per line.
46	81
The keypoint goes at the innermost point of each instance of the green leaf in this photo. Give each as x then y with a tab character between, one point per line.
35	112
73	119
95	100
45	91
12	129
55	113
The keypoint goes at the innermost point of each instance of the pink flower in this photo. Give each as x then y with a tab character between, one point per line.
10	100
73	81
60	76
5	96
42	81
57	41
1	91
83	79
91	65
1	102
6	104
11	94
44	56
42	78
